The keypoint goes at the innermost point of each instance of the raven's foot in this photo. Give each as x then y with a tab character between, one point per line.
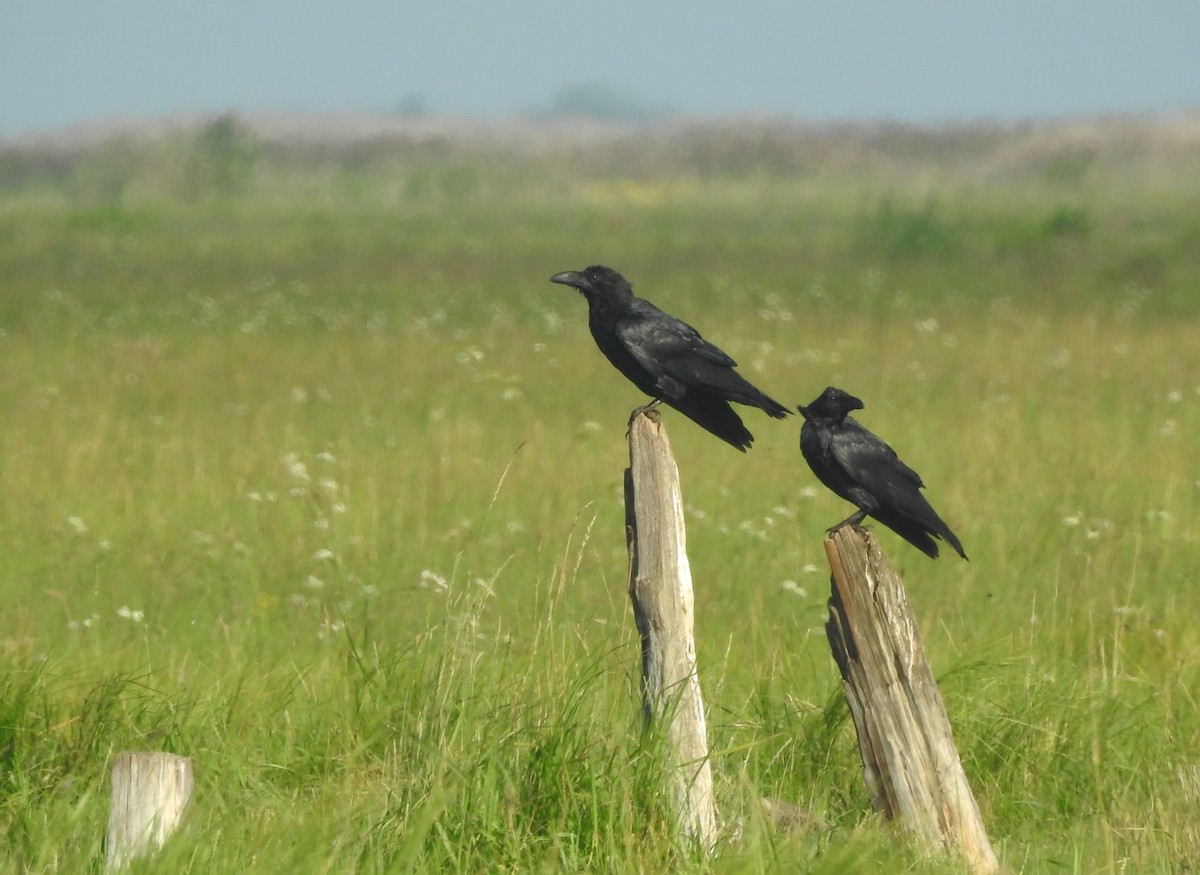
855	519
645	408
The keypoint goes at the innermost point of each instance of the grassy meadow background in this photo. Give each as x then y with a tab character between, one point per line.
309	473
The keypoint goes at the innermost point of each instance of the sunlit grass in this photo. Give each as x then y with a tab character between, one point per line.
328	497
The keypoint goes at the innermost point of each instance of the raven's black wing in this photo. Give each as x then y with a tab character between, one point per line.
891	486
872	464
681	360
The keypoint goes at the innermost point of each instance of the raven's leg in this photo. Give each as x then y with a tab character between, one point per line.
645	408
853	520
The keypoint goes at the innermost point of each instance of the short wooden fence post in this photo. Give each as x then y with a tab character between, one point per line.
660	587
910	764
149	794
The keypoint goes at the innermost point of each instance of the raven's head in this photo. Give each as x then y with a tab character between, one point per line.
833	404
594	280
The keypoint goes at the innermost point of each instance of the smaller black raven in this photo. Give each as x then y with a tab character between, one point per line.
862	469
665	357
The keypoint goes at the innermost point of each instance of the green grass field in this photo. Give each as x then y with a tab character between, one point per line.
318	481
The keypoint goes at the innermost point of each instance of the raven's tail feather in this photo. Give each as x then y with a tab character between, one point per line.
919	524
764	402
715	416
938	528
950	538
726	384
774	409
910	530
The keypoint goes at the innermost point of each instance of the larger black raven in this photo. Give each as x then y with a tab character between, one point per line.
666	358
862	469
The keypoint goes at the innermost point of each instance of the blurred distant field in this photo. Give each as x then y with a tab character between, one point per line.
308	472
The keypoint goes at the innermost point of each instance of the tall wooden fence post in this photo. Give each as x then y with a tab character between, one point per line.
910	763
149	794
660	587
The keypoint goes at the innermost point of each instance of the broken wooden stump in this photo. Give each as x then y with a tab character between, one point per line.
910	763
660	587
149	794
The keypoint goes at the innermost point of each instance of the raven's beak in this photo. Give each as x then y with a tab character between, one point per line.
802	410
853	403
570	278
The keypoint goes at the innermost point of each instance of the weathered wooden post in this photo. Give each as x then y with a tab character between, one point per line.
660	587
149	794
910	763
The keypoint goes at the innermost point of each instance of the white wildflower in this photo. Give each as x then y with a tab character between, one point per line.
428	578
329	628
296	467
794	588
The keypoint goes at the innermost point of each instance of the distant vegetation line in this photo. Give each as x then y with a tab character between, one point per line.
231	154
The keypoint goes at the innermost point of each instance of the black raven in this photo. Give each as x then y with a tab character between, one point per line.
666	358
862	469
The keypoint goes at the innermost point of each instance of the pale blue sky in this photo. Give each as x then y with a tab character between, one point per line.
64	61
